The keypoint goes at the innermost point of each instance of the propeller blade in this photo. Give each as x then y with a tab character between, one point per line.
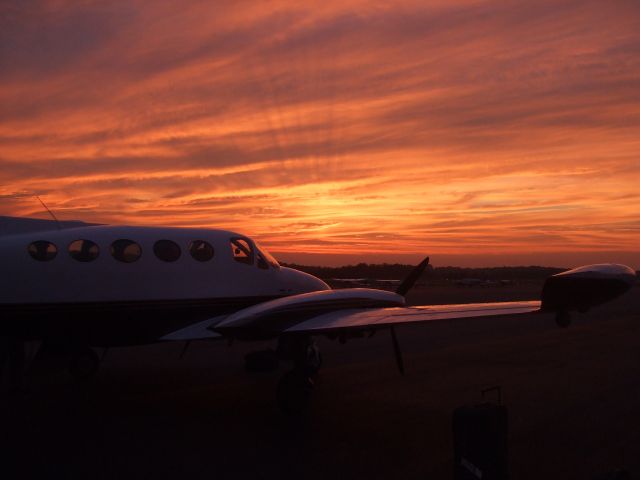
184	349
396	350
411	279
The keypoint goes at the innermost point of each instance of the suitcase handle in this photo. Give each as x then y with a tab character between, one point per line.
495	388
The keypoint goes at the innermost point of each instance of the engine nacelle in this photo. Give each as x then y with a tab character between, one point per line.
270	319
585	287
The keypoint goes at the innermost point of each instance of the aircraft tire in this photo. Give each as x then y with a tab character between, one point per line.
83	364
293	393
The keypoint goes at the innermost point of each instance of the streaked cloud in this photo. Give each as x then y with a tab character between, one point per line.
472	130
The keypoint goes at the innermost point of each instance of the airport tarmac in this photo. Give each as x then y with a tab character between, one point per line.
573	397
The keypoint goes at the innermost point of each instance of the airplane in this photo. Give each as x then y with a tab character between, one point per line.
74	288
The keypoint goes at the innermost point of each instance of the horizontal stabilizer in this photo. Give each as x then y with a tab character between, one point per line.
197	331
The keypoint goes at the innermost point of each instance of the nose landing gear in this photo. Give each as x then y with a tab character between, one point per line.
294	389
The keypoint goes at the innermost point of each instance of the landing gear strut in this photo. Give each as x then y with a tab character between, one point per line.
294	390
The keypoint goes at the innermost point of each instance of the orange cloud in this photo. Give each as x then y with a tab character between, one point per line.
477	132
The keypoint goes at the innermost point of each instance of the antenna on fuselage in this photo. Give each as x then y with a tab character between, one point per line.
50	213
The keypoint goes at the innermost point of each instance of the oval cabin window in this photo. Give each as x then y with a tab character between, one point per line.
166	250
201	250
83	250
126	251
42	250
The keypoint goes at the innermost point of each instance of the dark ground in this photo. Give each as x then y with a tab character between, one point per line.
573	397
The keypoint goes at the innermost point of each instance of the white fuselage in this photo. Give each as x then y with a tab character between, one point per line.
104	295
104	279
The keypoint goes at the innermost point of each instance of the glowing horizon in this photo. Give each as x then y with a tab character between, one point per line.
476	132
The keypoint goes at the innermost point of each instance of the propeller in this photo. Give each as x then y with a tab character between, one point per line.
406	285
184	349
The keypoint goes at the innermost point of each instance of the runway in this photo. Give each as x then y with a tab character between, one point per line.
573	396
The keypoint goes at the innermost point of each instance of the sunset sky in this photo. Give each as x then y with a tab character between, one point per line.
477	132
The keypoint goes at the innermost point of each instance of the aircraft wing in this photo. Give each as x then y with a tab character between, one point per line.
332	311
375	318
364	318
349	309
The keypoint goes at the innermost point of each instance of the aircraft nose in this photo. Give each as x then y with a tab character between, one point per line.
296	282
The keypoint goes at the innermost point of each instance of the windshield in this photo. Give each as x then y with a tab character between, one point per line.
267	256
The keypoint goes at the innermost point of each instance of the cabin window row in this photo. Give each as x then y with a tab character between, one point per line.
128	251
125	250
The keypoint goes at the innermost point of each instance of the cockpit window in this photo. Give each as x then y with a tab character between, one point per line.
241	250
261	262
126	251
83	250
42	250
201	250
266	257
166	250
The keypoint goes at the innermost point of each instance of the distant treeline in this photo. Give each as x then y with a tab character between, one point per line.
396	271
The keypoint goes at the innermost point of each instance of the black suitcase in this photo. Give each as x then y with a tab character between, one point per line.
480	442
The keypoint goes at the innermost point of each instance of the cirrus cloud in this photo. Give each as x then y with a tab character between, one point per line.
468	129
